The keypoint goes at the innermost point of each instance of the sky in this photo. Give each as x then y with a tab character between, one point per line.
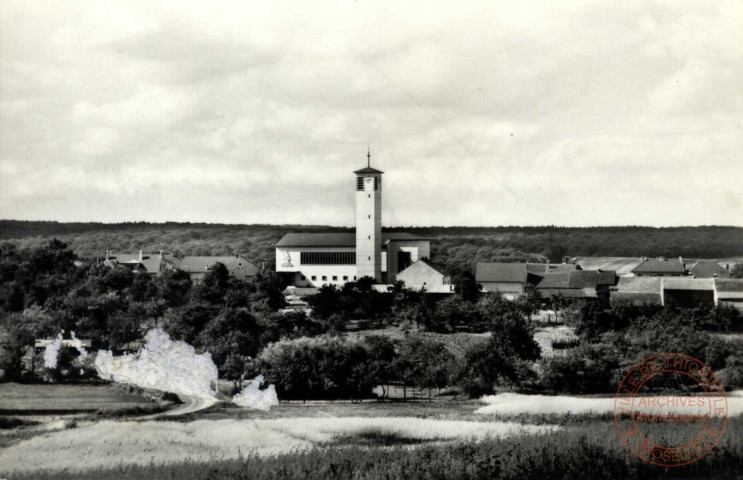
480	113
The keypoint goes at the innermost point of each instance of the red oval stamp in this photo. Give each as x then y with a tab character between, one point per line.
670	409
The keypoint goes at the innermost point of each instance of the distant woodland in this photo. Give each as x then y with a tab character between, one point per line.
456	249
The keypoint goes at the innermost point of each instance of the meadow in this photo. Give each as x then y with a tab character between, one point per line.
567	447
25	399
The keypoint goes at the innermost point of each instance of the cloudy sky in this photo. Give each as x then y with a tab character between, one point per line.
485	113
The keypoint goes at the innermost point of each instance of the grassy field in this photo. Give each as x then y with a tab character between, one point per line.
374	450
48	399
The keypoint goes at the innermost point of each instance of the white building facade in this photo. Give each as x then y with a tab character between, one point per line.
312	260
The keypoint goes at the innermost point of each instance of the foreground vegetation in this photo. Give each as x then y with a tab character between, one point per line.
589	449
43	291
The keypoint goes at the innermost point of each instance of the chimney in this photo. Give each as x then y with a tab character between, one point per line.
727	267
140	255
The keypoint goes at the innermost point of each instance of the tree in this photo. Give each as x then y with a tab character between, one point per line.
233	369
174	287
381	360
15	338
466	286
233	332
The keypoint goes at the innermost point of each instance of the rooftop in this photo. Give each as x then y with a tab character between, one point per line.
708	269
501	272
638	285
577	279
728	284
660	265
367	170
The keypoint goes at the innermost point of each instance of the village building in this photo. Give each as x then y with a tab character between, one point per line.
708	269
424	275
238	267
311	260
660	267
729	292
578	285
149	263
196	266
637	291
688	292
511	278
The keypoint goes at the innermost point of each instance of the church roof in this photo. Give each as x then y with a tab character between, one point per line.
367	170
336	239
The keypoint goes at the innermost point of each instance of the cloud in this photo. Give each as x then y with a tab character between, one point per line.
480	113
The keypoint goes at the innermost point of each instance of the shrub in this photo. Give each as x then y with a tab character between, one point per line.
320	367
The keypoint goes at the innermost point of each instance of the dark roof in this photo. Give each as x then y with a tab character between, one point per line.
336	239
643	285
728	284
501	272
150	261
555	280
577	279
368	170
708	269
657	265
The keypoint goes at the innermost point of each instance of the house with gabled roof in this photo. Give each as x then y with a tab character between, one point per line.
660	267
577	284
238	267
508	279
425	275
708	269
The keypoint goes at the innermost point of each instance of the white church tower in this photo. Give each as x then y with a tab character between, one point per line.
369	221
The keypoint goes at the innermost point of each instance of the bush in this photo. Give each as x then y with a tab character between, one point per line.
581	370
323	367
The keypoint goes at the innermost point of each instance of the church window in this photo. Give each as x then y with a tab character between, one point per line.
327	258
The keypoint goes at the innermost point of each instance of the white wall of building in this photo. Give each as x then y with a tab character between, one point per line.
417	248
314	275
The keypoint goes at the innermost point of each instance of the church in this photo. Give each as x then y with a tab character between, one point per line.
315	259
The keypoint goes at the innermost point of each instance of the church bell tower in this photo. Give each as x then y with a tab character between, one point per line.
369	221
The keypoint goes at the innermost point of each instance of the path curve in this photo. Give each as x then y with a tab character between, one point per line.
190	404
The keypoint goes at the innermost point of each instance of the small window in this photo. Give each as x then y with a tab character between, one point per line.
369	258
369	236
303	277
354	277
324	278
335	278
314	277
345	277
370	195
369	216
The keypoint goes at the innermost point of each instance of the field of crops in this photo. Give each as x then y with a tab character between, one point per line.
44	398
580	448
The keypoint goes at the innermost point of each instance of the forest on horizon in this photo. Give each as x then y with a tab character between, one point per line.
455	249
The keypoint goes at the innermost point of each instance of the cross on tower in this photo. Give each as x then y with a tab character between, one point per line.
368	157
